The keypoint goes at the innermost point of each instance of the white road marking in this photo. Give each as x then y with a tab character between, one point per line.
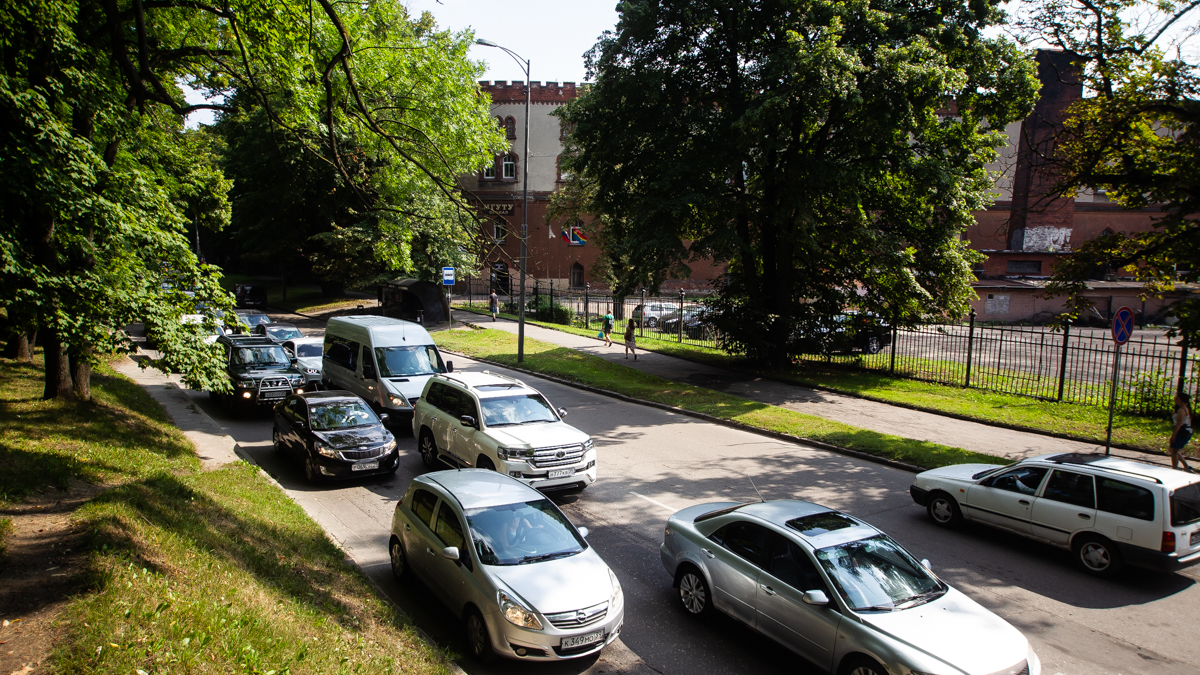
654	502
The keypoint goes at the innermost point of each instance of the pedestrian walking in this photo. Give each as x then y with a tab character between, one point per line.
608	328
1181	430
630	343
494	304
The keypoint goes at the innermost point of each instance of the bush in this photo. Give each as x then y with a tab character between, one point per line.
544	308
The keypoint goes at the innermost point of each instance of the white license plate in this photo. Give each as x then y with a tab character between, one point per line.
560	473
579	640
1195	538
364	466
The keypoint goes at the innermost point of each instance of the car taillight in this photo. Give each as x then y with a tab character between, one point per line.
1168	542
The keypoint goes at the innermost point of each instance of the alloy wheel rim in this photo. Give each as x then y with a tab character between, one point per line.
863	670
478	640
1094	556
310	471
691	592
941	511
397	559
427	449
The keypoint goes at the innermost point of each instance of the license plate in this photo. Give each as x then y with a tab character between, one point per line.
579	640
364	466
560	473
1195	538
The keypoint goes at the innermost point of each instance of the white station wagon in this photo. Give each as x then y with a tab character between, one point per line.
1108	511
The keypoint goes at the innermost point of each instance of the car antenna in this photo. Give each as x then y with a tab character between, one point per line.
760	497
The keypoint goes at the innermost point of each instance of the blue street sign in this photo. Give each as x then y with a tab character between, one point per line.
447	276
1122	325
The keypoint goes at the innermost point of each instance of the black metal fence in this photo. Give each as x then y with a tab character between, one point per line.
1074	365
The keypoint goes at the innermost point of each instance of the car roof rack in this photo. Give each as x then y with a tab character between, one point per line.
1090	459
504	377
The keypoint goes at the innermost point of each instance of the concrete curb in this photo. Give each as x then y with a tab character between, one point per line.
820	445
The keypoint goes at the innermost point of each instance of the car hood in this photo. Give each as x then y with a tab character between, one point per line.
409	386
309	362
559	585
961	472
957	630
544	435
353	437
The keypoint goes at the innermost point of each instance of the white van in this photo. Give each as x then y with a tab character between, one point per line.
385	361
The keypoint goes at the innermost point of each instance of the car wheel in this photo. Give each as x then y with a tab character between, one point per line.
943	510
276	442
651	322
1097	556
311	473
428	449
861	665
399	560
478	640
485	463
873	345
694	593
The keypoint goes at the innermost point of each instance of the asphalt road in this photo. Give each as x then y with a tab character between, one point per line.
653	462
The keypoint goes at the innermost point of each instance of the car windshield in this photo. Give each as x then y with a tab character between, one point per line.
340	415
254	319
518	534
258	356
408	361
308	350
523	409
284	333
876	575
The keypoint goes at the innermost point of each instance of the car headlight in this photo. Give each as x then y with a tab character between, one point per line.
296	380
325	450
617	601
588	445
513	453
312	371
244	383
516	613
389	446
399	402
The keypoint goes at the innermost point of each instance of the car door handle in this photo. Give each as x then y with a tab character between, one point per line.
429	550
407	527
1023	501
708	553
767	589
1085	516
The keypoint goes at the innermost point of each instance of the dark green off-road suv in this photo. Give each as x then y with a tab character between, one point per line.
260	371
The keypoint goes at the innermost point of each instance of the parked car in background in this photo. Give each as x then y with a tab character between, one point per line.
249	317
211	332
652	313
837	591
250	295
494	422
506	561
307	355
1109	512
260	371
695	324
843	334
333	434
277	332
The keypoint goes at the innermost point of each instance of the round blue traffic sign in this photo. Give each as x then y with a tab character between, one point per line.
1122	325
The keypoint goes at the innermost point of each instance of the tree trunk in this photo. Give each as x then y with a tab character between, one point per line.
81	375
57	368
24	347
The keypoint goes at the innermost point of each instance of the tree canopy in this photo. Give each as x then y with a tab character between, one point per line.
830	152
1135	135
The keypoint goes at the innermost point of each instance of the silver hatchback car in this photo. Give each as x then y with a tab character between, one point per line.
507	562
837	591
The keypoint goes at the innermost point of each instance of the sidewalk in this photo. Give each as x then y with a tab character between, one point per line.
880	417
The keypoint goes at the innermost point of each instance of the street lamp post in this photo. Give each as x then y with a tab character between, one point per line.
524	63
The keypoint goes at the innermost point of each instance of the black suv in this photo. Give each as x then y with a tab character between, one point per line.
260	371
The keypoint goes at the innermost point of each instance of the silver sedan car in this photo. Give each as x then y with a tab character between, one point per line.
506	561
835	590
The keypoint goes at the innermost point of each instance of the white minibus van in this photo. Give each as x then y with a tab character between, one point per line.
385	361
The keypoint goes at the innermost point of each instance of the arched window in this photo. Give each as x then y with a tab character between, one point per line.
510	128
509	167
576	275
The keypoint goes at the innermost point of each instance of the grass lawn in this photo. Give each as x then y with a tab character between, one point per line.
188	571
1081	421
569	364
302	299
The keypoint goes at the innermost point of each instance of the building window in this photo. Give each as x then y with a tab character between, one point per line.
576	275
563	176
509	167
510	128
499	230
1025	267
489	171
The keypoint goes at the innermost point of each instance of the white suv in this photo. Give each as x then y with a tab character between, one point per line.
1108	511
490	421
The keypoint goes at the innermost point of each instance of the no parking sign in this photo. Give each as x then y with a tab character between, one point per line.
1122	325
1122	329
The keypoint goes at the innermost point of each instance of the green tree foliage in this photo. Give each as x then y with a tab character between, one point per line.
801	142
102	183
1136	135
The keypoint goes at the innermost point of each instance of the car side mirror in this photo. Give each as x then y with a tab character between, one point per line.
562	412
467	421
584	532
302	424
383	418
449	366
816	598
926	565
450	553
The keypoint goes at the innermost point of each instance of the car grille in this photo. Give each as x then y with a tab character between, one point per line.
362	454
560	455
580	617
273	387
1021	668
